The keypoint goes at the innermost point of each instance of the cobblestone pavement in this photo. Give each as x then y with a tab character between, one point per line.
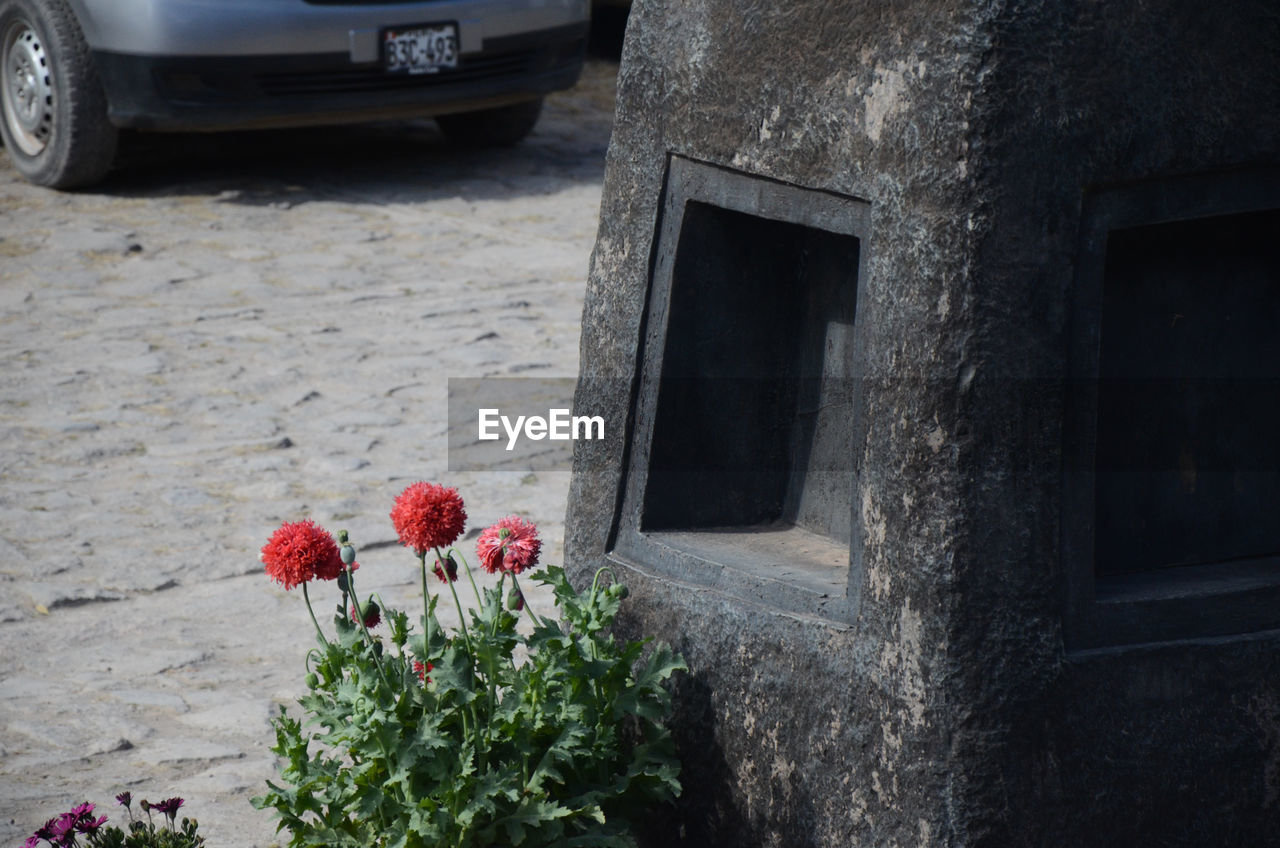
235	331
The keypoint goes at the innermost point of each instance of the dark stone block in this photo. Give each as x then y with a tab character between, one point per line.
878	302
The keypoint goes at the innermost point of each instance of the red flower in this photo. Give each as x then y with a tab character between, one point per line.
301	551
510	545
372	615
422	670
428	516
447	570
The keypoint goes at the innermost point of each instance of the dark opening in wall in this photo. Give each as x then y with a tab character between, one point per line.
747	432
1172	466
741	471
1188	457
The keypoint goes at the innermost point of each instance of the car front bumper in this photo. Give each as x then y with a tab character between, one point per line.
198	93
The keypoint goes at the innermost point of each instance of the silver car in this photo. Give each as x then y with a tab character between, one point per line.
75	72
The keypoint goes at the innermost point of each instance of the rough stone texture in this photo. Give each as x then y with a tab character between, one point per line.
947	710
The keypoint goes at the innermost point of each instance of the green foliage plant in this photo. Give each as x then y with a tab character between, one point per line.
546	734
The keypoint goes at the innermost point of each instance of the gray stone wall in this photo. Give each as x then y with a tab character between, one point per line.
948	709
1173	743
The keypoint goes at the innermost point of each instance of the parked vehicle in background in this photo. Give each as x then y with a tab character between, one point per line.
75	72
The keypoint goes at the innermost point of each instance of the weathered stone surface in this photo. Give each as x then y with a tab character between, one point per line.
946	709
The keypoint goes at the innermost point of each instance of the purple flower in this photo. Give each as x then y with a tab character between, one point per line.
32	842
169	806
82	812
65	824
124	799
47	831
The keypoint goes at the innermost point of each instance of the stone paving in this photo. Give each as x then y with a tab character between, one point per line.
231	332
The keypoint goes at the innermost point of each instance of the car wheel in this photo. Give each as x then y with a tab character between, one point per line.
500	127
53	112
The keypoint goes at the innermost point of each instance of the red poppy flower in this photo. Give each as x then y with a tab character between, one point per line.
422	670
511	545
301	551
428	516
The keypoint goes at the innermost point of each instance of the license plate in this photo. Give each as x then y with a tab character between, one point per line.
420	50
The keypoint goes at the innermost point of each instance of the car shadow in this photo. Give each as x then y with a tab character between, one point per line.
377	163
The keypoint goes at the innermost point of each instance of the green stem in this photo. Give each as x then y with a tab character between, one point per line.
474	588
466	634
377	664
426	620
306	597
426	595
377	661
481	750
426	603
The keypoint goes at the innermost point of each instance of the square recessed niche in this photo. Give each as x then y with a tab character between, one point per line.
1173	470
740	473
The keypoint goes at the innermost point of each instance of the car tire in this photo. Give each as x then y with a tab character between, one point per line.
53	111
504	126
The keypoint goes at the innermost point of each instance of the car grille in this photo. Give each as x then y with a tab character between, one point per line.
283	83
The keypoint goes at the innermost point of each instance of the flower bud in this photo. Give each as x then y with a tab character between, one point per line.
446	570
370	614
312	681
342	537
343	584
377	648
515	599
623	592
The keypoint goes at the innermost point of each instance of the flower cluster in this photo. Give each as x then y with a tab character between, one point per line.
486	732
62	831
426	516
